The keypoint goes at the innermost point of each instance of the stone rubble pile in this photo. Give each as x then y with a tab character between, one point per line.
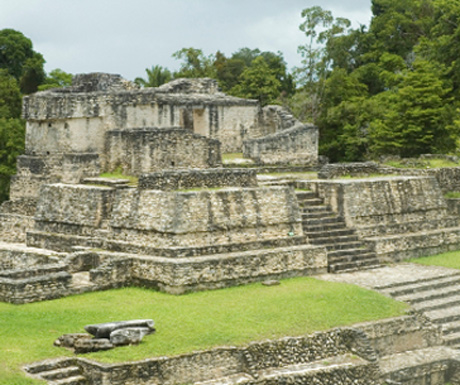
106	336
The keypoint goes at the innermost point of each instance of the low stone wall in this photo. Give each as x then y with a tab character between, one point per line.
181	275
448	177
13	257
295	145
26	286
399	217
372	203
76	209
201	218
187	179
337	170
255	363
147	150
13	227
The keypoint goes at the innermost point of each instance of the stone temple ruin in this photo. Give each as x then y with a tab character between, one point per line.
82	232
188	223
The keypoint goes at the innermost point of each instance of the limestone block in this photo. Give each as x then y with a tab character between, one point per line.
129	336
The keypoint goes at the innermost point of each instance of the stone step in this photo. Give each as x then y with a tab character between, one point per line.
236	379
368	263
48	365
429	295
81	280
313	201
314	209
442	316
337	225
76	380
308	194
343	246
322	221
423	366
439	303
451	328
452	339
317	215
449	273
346	258
423	285
330	233
333	254
62	373
332	240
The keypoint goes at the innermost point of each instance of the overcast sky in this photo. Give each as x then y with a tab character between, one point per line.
127	36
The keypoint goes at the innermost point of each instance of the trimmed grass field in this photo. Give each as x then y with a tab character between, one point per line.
450	259
185	323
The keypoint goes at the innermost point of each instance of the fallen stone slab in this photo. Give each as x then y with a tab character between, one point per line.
92	345
128	336
69	340
104	330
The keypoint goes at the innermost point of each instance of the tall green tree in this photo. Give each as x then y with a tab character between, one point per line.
156	76
57	78
419	117
258	81
194	64
20	60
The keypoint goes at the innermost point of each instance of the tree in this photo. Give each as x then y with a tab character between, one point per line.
418	118
57	78
156	76
20	60
10	96
194	64
321	30
12	134
258	81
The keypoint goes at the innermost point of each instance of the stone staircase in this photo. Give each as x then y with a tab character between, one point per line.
345	251
62	371
438	298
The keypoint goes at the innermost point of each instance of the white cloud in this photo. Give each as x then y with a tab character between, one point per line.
126	37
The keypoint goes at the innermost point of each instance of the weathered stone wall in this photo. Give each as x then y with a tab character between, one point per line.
256	363
74	209
448	177
14	257
187	179
295	145
162	219
200	218
76	120
182	275
386	205
276	118
147	150
34	284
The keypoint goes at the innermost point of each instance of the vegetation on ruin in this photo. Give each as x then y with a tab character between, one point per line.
118	174
185	323
450	259
452	195
422	163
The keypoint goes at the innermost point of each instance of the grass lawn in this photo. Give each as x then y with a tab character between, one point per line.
185	323
424	163
450	259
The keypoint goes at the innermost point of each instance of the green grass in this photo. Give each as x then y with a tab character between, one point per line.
423	163
232	156
452	195
366	176
185	323
450	259
294	175
117	174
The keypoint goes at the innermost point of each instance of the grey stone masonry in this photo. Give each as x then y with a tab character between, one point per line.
404	350
189	179
399	216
